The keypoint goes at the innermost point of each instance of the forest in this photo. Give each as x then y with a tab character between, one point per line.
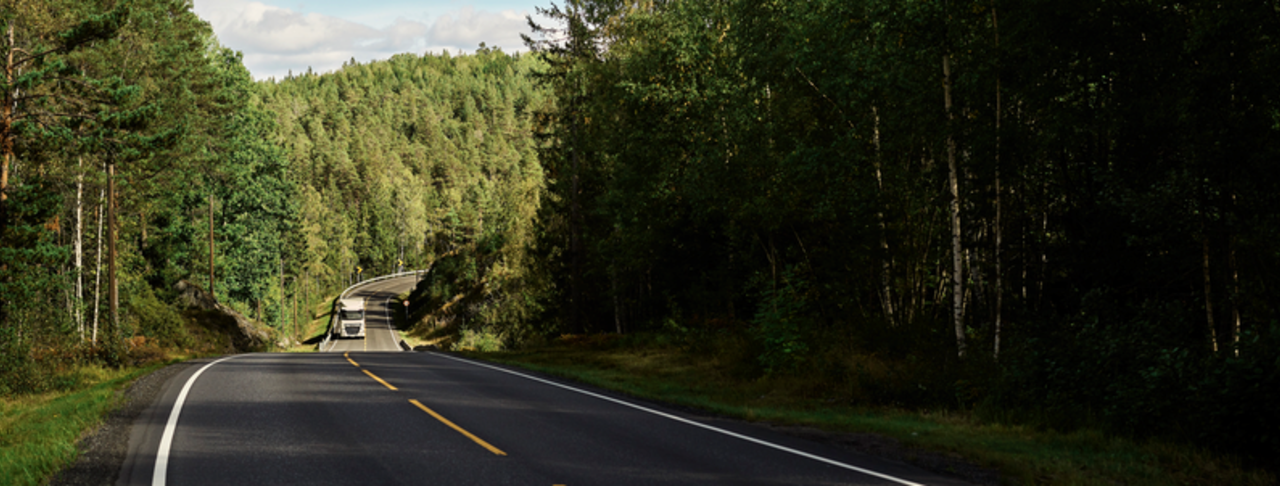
1038	211
1059	212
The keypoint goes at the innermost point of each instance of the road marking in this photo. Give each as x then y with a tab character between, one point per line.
371	375
387	306
446	421
166	439
367	372
694	423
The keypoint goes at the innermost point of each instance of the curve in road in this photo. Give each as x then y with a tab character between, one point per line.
379	303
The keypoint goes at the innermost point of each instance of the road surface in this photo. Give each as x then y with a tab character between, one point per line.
379	303
360	417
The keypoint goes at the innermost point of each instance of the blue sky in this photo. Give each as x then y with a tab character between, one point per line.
278	36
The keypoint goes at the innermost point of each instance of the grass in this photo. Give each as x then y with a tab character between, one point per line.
1023	455
38	433
313	330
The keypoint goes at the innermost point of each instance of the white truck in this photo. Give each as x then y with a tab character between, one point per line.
350	321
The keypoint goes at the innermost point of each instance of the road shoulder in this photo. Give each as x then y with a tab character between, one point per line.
103	450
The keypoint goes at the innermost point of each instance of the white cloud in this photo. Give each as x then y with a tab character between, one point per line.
277	40
468	27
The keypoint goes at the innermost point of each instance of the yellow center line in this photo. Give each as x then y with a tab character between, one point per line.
371	375
353	362
446	421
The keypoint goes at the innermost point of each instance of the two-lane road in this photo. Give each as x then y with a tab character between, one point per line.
432	418
379	302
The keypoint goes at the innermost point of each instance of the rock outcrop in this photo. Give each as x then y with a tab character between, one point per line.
245	334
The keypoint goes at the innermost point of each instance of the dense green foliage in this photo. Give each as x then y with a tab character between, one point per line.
309	183
783	170
426	160
140	88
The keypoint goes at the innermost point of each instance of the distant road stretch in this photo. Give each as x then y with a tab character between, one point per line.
360	417
379	303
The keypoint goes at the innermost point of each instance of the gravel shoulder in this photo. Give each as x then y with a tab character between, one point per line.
102	450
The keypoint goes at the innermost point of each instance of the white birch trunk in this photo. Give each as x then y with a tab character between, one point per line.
886	292
78	306
97	273
957	251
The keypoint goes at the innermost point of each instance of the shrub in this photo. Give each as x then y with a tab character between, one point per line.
779	322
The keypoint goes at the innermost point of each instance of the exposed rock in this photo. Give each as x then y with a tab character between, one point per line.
246	334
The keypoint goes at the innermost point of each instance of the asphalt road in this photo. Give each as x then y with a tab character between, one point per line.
379	303
430	418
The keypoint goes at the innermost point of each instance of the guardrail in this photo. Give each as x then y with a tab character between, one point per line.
328	336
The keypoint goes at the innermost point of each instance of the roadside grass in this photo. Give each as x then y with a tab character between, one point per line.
316	324
715	383
38	433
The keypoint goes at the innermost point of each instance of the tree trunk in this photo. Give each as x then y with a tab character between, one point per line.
575	235
1208	295
999	230
886	292
617	303
6	127
957	251
142	230
282	301
1235	296
6	144
79	249
97	273
212	294
113	289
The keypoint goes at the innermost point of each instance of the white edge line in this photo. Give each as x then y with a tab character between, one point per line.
166	439
696	424
391	325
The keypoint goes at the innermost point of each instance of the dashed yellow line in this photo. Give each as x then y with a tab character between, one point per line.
371	375
460	430
433	413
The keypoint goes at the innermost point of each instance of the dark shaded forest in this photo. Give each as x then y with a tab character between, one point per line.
1045	212
1056	212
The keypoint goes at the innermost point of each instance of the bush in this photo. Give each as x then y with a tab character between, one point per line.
479	340
779	322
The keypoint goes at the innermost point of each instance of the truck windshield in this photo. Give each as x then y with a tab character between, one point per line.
352	315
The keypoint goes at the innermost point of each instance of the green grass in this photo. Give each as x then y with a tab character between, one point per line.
38	433
1022	454
315	327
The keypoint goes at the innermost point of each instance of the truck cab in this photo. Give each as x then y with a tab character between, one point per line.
350	322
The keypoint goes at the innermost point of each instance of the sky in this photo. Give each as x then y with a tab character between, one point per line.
277	36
